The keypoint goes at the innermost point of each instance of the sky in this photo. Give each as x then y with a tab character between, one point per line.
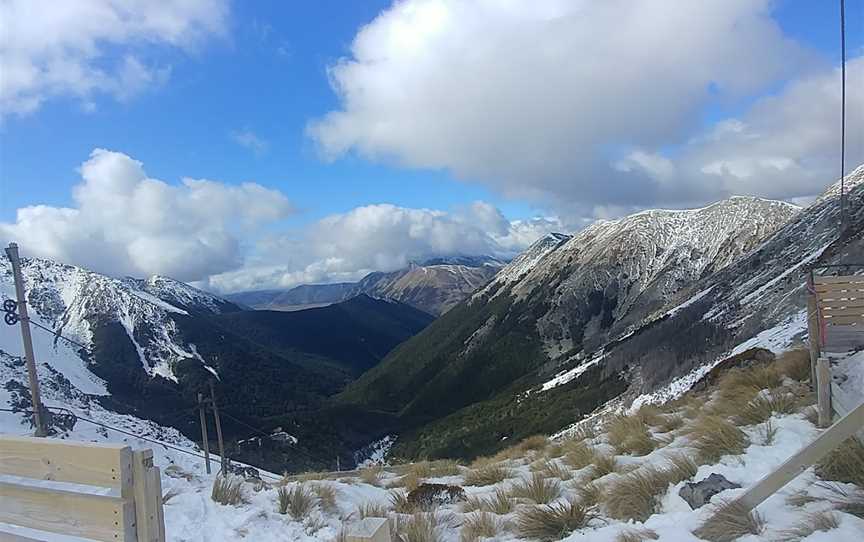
250	145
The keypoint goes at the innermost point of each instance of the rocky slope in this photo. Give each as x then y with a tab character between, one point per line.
433	286
534	321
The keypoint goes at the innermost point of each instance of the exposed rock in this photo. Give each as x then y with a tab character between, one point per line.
431	495
699	493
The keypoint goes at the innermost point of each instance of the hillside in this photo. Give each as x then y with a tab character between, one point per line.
563	300
434	286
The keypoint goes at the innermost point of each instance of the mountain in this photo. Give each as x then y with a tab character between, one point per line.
433	286
148	347
552	309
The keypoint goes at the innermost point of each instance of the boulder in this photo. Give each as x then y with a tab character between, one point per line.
699	493
428	496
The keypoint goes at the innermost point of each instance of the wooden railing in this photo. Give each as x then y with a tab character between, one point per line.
101	492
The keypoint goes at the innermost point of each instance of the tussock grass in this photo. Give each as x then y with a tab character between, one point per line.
630	435
371	475
487	475
296	501
553	469
579	456
590	494
634	495
445	467
418	527
851	502
794	364
730	522
499	503
800	498
636	535
713	437
326	496
537	488
844	464
671	423
421	469
552	522
604	464
399	502
227	491
472	504
679	467
307	477
819	521
409	481
767	433
371	510
534	443
650	415
764	405
480	525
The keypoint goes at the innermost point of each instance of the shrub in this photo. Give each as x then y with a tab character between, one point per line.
714	437
479	525
630	435
730	522
819	521
844	464
537	488
296	501
579	456
227	491
636	535
487	475
552	522
372	475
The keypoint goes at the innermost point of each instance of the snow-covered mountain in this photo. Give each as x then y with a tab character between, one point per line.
433	286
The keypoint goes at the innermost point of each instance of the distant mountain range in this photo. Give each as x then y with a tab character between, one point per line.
433	286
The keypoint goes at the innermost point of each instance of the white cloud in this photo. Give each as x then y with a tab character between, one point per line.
50	48
382	237
539	99
250	140
125	222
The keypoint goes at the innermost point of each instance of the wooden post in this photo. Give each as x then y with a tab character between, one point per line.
823	391
38	412
222	464
204	439
149	518
828	441
812	330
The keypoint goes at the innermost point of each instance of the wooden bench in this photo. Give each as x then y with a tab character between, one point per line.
63	490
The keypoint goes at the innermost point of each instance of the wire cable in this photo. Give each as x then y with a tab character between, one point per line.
842	115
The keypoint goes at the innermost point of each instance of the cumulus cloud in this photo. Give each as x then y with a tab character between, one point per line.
344	247
250	140
90	47
126	223
571	102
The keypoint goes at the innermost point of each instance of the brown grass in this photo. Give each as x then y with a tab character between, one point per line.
227	491
419	527
604	464
500	503
844	464
650	415
845	500
537	488
409	481
713	437
764	405
326	497
730	522
480	525
487	475
399	502
371	510
371	475
794	364
636	535
552	522
679	467
634	496
296	501
590	494
800	498
553	469
579	456
819	521
630	435
445	467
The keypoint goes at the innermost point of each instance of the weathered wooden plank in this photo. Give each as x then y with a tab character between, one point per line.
823	391
16	533
843	320
826	301
844	279
148	498
813	335
42	506
809	455
369	530
843	311
106	465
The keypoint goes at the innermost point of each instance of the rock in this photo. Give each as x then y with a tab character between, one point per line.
431	495
699	493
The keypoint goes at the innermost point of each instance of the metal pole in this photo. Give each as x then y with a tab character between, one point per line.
222	465
38	412
204	439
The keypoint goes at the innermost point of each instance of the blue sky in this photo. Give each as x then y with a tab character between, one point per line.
261	72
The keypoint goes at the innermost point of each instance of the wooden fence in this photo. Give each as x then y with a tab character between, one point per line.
100	492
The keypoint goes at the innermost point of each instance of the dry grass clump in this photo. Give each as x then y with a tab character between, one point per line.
480	525
604	464
472	504
326	496
819	521
713	437
553	469
851	502
794	364
650	415
730	522
765	405
590	494
800	498
630	435
552	522
636	535
399	502
227	491
409	481
537	488
844	464
487	475
500	503
634	495
307	477
418	527
296	501
579	456
445	467
371	510
421	469
671	423
679	467
533	443
371	475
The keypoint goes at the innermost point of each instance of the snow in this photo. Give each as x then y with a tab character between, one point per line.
693	299
761	290
567	376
